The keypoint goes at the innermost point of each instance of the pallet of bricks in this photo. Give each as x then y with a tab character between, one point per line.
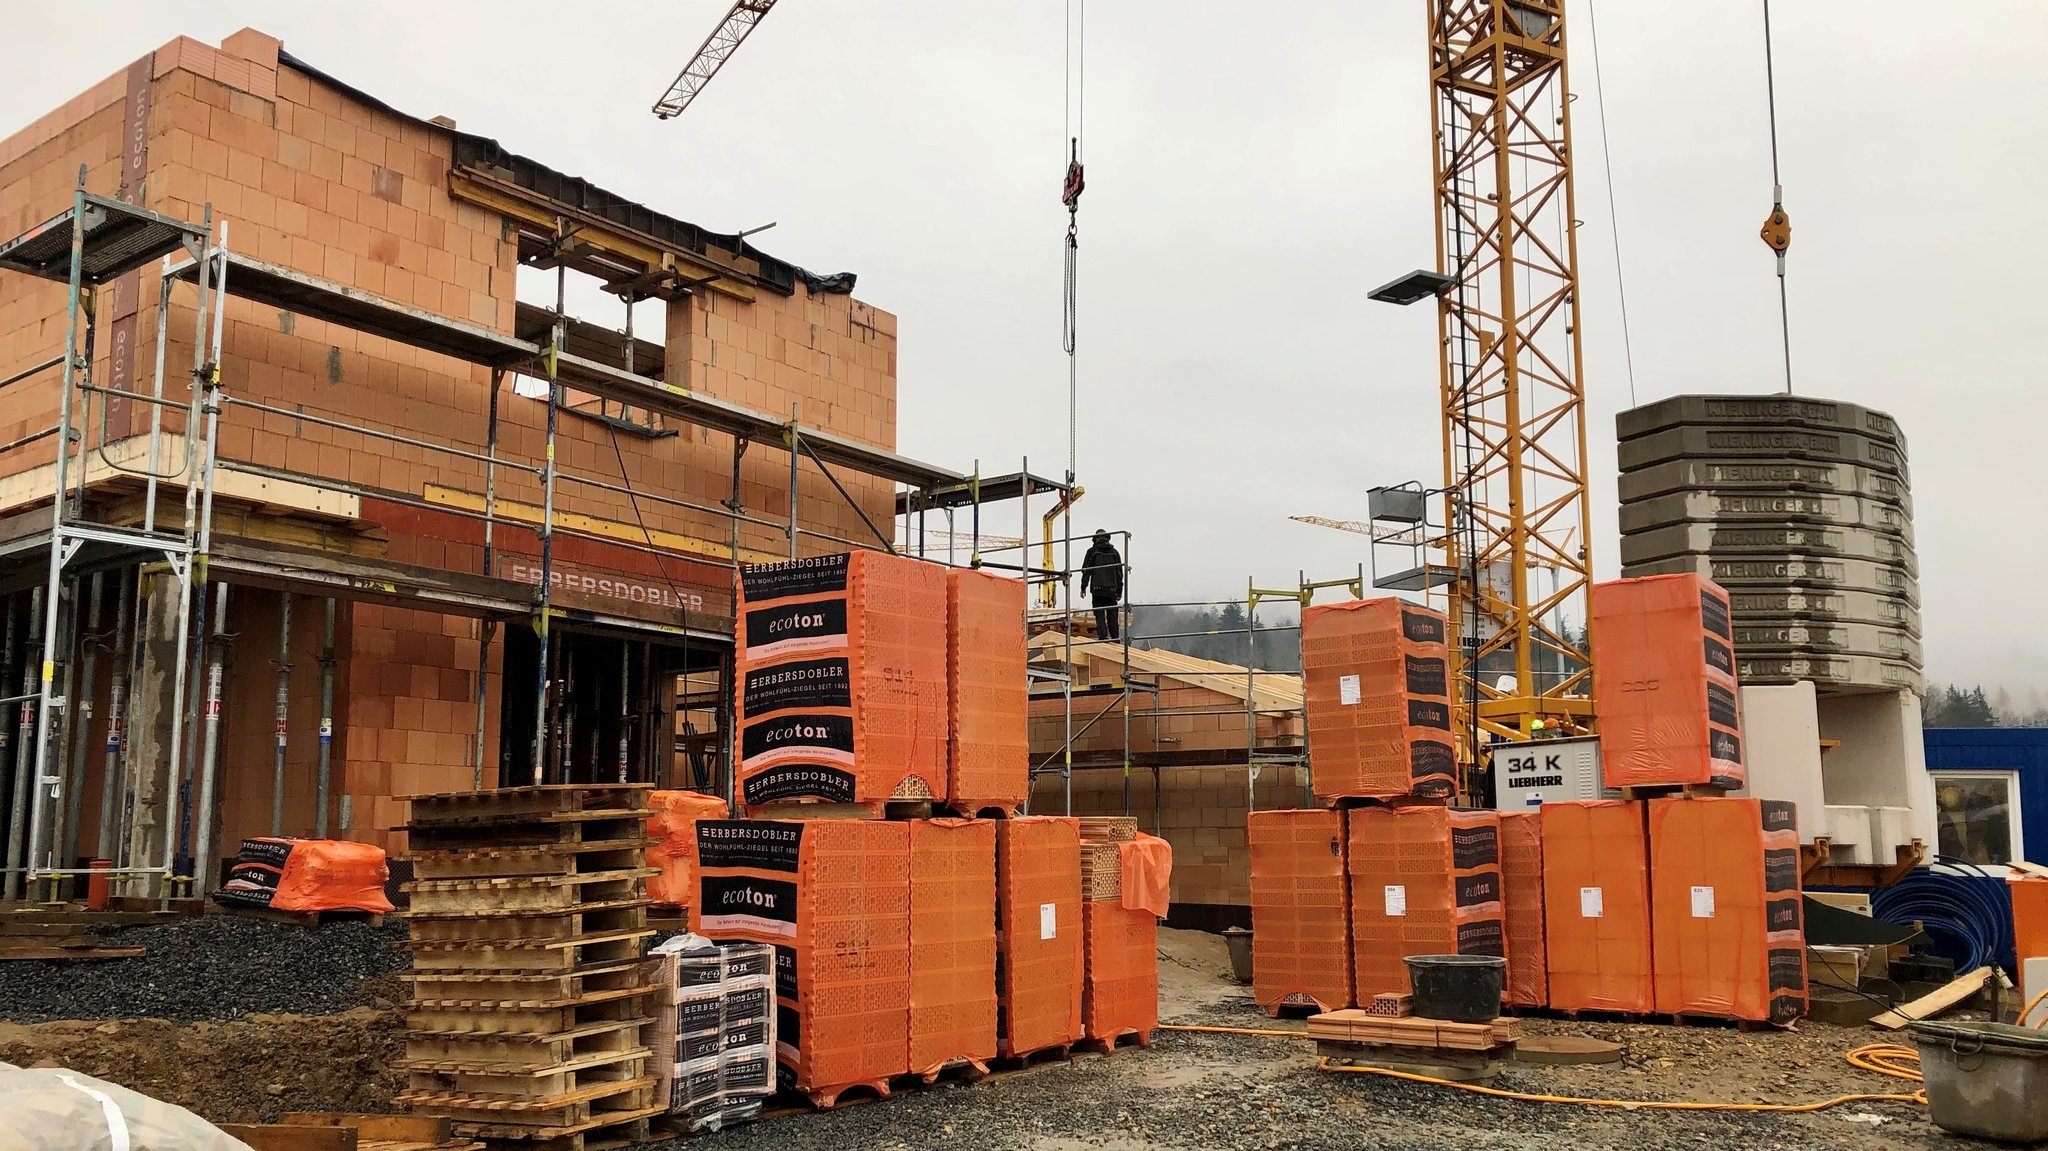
1341	894
1120	948
1631	906
530	987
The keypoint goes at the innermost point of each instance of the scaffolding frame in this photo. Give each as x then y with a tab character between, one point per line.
99	239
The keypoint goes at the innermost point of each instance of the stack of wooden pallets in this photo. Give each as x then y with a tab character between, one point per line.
528	924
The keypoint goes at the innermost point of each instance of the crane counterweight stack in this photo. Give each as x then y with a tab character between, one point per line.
1516	563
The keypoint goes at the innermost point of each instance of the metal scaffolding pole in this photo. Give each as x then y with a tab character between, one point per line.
112	786
325	778
284	694
202	852
543	622
488	628
87	688
24	752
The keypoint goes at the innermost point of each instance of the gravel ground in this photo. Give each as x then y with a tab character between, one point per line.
209	967
1188	1092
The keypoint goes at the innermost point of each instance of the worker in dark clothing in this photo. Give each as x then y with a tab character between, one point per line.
1102	579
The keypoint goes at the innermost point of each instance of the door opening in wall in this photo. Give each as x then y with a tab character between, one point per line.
621	709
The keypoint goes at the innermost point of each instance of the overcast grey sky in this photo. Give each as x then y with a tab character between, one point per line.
1252	171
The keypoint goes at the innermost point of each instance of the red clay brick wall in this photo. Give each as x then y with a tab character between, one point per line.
307	177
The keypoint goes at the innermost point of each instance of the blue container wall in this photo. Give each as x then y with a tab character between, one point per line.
2018	749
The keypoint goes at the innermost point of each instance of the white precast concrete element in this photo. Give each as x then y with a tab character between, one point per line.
1881	763
1781	747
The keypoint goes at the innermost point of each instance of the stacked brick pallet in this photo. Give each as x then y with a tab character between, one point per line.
1120	944
1340	896
528	924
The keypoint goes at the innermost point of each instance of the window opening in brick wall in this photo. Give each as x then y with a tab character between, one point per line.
588	301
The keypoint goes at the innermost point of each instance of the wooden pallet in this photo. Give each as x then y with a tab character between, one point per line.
558	857
529	1049
300	918
527	955
527	804
1437	1063
311	1131
63	949
525	893
1017	1060
1129	1038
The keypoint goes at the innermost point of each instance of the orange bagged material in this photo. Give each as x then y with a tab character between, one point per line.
952	943
833	896
1726	905
1120	991
988	719
1521	879
1301	922
1039	933
1376	675
672	825
1596	906
1147	864
842	680
1665	687
2029	925
307	875
1424	881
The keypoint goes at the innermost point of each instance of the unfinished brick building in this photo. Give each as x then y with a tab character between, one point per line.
390	456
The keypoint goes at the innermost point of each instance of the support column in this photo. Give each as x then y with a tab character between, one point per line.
151	730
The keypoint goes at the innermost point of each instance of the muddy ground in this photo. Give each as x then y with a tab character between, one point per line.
1189	1091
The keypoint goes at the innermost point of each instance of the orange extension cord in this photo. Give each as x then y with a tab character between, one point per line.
1891	1059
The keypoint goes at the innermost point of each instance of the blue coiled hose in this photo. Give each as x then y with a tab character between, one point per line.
1965	910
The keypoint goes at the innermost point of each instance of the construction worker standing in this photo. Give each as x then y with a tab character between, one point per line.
1102	579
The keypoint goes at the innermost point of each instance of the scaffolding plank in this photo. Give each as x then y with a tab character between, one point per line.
119	237
304	295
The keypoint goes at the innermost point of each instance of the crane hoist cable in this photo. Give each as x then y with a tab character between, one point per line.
1777	229
1075	111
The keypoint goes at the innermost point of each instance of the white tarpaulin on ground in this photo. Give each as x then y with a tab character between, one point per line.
52	1109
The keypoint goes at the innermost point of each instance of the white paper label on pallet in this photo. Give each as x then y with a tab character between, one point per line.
1397	899
1048	920
1347	691
1702	903
1592	903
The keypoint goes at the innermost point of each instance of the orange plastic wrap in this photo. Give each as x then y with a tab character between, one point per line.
307	875
1147	865
1521	880
672	825
989	753
952	943
333	875
1376	677
1039	930
1665	690
842	680
1301	923
1725	903
1424	881
2029	924
1120	993
833	896
1596	906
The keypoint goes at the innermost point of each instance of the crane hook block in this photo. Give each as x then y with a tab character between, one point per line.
1777	231
1070	190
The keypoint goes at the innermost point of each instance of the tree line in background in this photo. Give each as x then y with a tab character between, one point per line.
1951	706
1272	643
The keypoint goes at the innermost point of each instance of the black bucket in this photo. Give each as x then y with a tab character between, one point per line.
1457	988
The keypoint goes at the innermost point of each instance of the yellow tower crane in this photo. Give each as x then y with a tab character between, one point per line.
1514	562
